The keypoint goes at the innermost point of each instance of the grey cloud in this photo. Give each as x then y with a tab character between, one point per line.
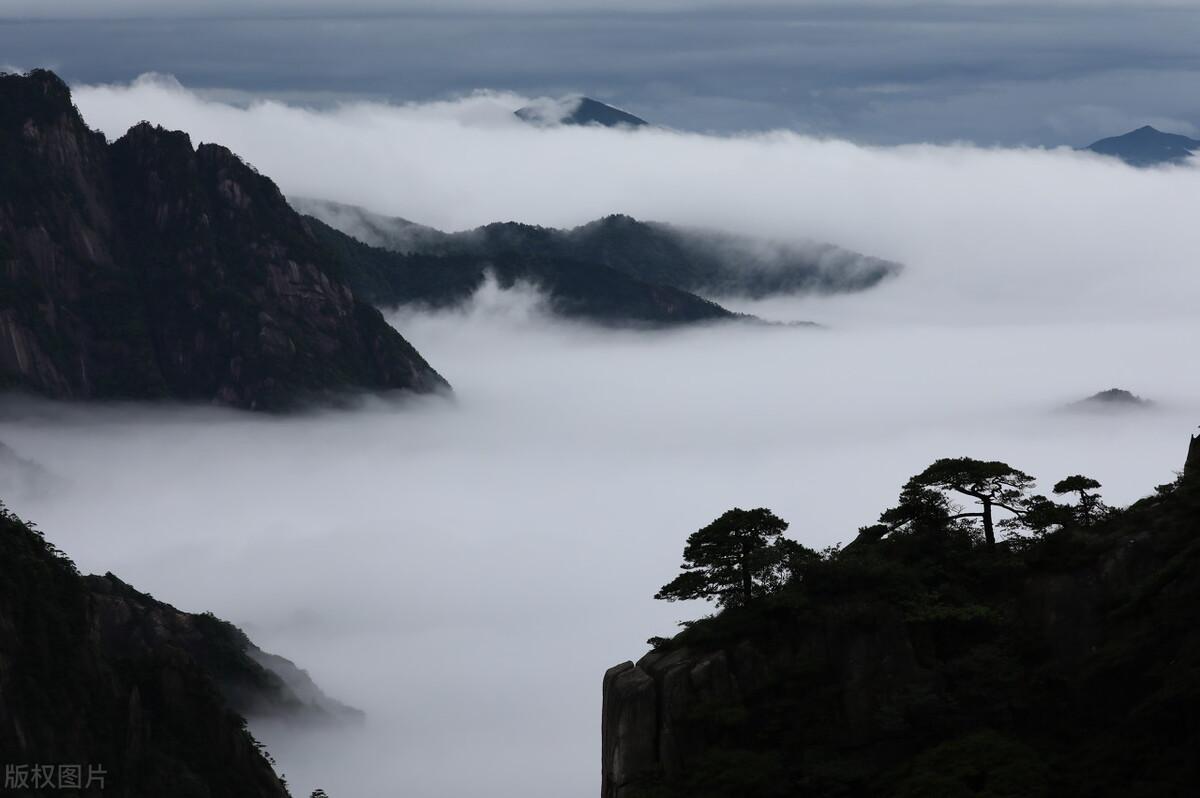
284	8
1063	73
466	571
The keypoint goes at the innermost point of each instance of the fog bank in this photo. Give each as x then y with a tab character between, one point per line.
987	235
465	570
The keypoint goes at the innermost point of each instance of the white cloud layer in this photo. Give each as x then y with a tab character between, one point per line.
465	570
987	234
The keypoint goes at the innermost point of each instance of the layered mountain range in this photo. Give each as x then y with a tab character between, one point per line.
149	268
616	269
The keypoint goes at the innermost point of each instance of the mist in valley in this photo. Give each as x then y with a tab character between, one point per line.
464	569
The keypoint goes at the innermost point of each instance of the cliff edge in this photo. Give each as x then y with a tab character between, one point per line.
143	699
918	665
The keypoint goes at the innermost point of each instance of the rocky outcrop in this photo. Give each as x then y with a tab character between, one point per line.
630	728
664	716
1067	666
148	268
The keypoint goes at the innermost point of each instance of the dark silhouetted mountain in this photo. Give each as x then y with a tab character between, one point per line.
95	673
928	664
573	288
719	264
441	268
146	268
1147	147
1111	400
253	682
578	111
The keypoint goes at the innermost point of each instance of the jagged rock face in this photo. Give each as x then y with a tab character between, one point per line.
630	729
1068	670
147	268
88	676
664	715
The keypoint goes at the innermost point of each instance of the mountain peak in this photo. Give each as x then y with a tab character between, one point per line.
1147	146
1113	399
38	95
577	110
211	287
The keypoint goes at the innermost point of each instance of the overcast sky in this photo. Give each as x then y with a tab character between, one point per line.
880	72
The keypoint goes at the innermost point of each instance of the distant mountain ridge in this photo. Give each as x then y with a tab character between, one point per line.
578	111
148	268
1147	146
692	266
1111	400
573	288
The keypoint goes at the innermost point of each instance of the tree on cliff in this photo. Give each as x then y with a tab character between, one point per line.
989	482
1090	505
740	555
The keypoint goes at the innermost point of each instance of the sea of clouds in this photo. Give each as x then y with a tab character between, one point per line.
988	234
464	570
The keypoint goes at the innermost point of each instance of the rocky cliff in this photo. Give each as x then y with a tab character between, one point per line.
94	673
1063	666
147	268
252	681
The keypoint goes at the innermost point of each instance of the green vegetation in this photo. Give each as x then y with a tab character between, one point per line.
740	555
991	484
82	681
1089	506
1059	656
